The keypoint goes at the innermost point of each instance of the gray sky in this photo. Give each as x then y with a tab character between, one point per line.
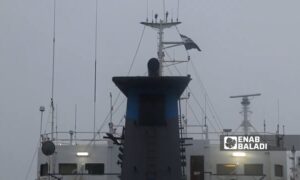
248	47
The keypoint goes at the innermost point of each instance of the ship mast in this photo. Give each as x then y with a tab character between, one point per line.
245	111
160	25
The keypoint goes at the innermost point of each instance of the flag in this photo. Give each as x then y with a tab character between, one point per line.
189	43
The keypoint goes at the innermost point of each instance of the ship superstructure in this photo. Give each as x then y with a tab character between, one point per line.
154	143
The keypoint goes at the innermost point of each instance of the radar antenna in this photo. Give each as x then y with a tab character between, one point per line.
245	110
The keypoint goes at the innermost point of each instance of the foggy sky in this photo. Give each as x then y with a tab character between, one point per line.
247	47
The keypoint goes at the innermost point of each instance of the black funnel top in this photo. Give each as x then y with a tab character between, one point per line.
153	67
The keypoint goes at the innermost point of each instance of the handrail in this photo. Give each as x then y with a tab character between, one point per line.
68	137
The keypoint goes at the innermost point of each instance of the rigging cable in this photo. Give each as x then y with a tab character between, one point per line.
202	110
107	117
196	117
196	100
136	51
31	162
106	120
130	68
210	105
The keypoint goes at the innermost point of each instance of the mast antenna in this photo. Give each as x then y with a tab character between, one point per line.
42	109
265	126
53	71
111	107
177	10
95	71
164	10
278	116
111	125
75	124
205	119
147	18
56	122
51	167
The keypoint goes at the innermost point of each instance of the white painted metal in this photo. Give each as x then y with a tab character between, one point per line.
99	153
213	156
107	153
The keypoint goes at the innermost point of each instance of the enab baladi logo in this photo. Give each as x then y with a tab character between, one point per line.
243	142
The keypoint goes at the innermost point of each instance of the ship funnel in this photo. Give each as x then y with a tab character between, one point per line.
151	139
153	67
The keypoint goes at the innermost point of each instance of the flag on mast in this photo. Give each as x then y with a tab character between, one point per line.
189	43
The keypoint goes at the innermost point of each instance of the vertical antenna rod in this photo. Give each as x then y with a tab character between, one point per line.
205	120
42	109
147	18
278	116
160	50
111	107
75	128
110	124
53	66
265	126
164	11
56	122
294	167
177	10
95	76
51	162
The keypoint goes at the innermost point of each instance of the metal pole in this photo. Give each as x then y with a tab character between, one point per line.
164	11
245	110
51	169
265	126
95	75
293	163
42	109
111	107
75	128
52	120
205	121
160	48
41	124
53	71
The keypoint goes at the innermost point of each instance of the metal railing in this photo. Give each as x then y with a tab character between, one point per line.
75	137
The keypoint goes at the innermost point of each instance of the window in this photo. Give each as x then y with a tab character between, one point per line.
278	170
152	110
44	169
95	168
67	169
226	169
253	169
